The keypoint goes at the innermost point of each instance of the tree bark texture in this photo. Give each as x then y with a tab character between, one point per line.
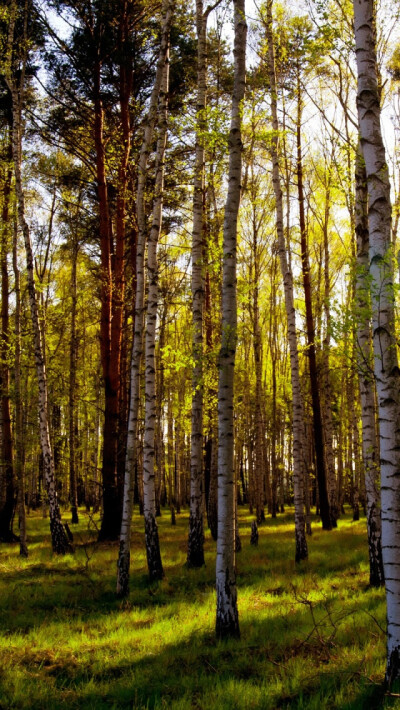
111	513
136	356
60	542
18	426
365	364
195	556
149	502
7	505
326	374
73	352
386	367
227	620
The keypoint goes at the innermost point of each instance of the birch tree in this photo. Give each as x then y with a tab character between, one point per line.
227	620
370	449
7	487
15	75
149	504
386	368
18	425
136	356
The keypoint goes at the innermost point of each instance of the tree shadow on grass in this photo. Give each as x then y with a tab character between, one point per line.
280	662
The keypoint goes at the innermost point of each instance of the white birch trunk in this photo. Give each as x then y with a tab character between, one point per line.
149	499
383	318
132	449
301	551
364	353
227	621
18	426
60	542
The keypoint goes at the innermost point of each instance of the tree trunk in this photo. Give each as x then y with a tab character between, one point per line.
366	381
195	556
310	327
19	445
383	318
149	504
118	260
227	621
111	514
59	538
326	375
7	474
73	353
132	444
259	428
299	473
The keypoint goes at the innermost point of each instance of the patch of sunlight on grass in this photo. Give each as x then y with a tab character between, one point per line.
312	636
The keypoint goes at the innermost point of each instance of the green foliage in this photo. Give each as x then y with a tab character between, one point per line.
312	636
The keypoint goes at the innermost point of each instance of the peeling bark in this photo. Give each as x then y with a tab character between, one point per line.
364	354
386	367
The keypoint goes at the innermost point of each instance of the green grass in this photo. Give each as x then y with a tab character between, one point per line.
312	636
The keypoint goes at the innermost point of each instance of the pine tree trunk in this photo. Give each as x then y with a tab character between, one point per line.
227	621
73	491
310	327
118	258
132	444
326	375
195	556
366	381
383	318
299	473
111	513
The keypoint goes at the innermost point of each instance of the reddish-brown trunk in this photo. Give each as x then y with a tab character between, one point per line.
118	261
111	510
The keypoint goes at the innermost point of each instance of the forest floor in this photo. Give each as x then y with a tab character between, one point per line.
312	636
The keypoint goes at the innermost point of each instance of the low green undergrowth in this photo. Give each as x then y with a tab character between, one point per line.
312	636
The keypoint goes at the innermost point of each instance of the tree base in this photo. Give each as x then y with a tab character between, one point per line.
376	573
254	533
301	549
123	565
74	515
227	620
112	517
195	555
8	536
23	550
393	668
59	538
154	564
